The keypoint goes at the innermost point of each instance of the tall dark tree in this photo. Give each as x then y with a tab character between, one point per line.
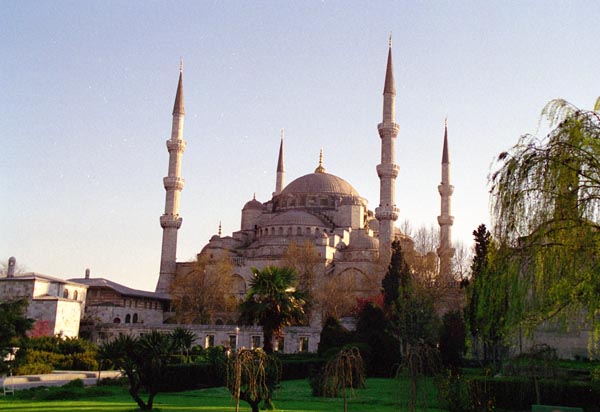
482	238
397	270
273	302
546	209
372	329
14	324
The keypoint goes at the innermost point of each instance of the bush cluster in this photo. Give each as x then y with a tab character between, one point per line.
44	354
73	390
518	393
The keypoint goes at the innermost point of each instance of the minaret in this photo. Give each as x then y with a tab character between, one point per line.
445	250
280	181
387	212
170	221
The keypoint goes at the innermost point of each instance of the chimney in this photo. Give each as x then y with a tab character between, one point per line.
87	273
12	263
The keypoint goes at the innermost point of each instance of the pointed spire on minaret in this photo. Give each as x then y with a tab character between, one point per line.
280	178
445	219
390	86
320	168
387	170
170	221
445	155
280	166
178	106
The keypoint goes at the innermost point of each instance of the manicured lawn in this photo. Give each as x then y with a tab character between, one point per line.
380	395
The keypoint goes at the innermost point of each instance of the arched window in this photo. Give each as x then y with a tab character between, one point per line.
280	231
128	318
219	322
117	320
75	295
66	294
289	231
135	318
299	231
308	231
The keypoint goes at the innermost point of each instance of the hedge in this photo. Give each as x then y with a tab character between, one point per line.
512	393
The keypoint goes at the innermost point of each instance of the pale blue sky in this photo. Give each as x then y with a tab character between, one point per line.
88	89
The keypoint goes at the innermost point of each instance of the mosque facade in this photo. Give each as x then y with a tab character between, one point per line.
352	241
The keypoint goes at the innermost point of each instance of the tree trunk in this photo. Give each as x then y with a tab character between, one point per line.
268	343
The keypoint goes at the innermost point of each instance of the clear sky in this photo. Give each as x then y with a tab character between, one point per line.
87	90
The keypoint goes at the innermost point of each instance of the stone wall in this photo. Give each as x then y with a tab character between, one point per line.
296	339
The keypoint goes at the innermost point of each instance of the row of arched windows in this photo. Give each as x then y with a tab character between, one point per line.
66	294
128	318
289	231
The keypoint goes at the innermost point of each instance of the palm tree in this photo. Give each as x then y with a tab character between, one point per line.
272	302
182	340
144	360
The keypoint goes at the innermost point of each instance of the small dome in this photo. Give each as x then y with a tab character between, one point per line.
319	183
253	204
215	238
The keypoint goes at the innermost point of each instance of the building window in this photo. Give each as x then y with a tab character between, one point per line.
233	342
298	231
279	344
255	341
75	295
66	294
209	341
128	318
135	318
303	347
117	320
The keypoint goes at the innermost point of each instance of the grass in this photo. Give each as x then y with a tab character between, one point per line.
380	395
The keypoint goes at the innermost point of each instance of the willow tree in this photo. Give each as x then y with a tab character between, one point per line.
545	203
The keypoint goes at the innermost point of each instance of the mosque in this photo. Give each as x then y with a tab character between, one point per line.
352	242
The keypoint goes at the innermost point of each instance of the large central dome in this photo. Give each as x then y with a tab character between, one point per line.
318	182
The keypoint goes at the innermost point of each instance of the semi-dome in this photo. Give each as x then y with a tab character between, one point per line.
319	183
296	217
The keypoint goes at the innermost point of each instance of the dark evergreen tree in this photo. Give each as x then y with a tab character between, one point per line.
452	340
482	238
333	336
397	270
14	324
383	350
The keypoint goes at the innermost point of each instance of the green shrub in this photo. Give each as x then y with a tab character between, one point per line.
452	391
117	382
183	377
513	393
35	368
299	368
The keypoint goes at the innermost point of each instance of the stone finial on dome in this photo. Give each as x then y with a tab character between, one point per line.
320	168
220	231
12	264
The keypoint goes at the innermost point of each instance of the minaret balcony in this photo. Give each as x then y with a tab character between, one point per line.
176	145
388	170
445	220
387	213
173	182
445	189
385	126
171	221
